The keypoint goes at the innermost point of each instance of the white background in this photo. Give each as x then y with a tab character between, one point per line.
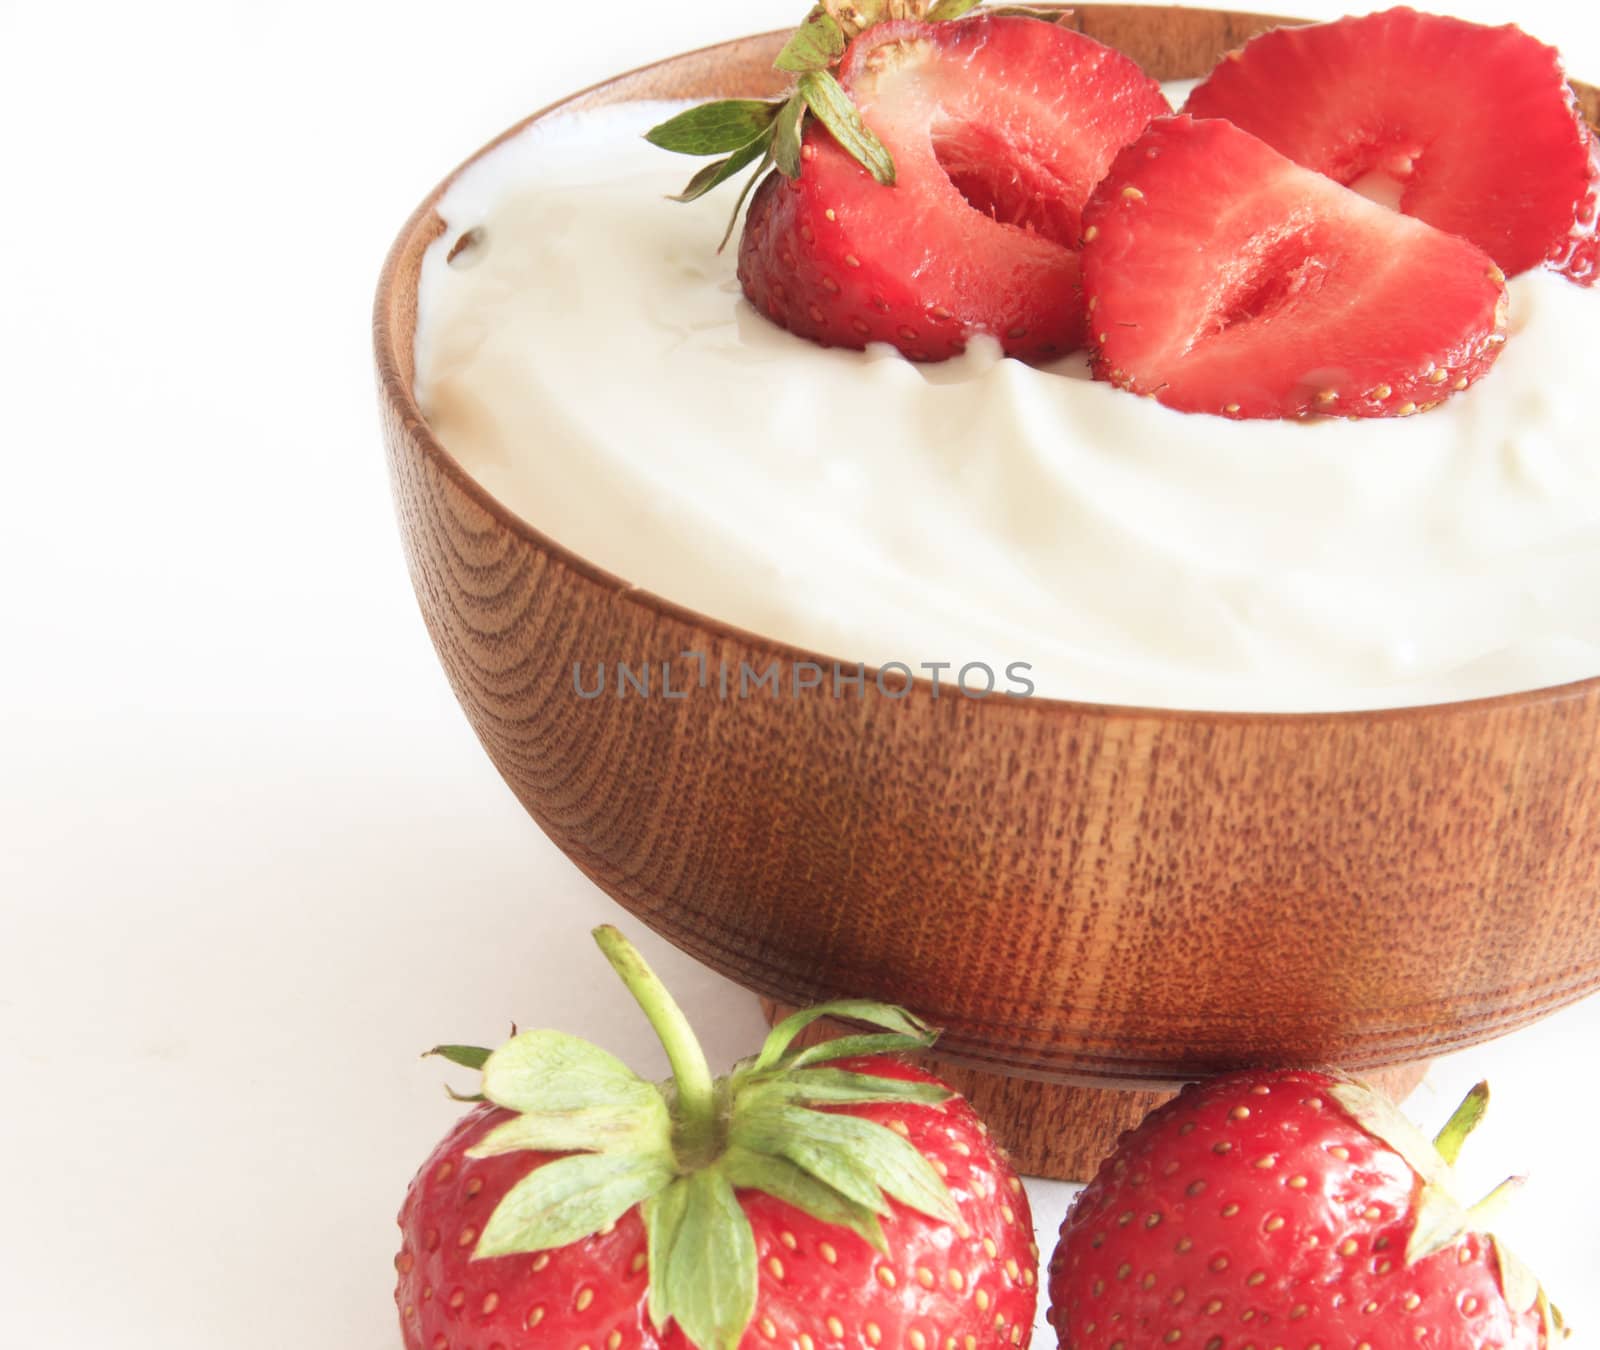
251	859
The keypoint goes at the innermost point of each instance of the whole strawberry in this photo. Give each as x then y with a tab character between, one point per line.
814	1198
1288	1209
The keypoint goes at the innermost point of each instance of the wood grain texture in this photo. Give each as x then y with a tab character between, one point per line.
1060	1130
1073	891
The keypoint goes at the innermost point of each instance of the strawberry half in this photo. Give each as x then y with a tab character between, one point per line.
815	1198
1293	1209
937	192
1223	278
999	128
1578	255
1476	128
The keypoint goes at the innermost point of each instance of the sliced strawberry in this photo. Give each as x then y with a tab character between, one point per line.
1475	126
998	128
1577	256
1223	278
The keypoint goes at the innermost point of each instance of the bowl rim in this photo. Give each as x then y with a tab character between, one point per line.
398	394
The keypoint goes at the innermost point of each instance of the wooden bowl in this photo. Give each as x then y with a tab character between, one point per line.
1074	892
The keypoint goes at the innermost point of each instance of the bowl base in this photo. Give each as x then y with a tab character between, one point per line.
1061	1131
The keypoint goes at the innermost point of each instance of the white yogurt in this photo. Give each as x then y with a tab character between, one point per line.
593	364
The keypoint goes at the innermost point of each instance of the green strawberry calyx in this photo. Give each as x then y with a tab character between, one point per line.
767	132
1441	1219
682	1149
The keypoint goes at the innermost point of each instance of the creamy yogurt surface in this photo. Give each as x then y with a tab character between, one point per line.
591	361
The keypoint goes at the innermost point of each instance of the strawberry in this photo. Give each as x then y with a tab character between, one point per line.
815	1198
1476	127
937	192
1223	278
1577	256
1288	1208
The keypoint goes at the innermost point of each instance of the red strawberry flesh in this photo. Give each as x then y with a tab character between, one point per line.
1476	125
1577	256
998	127
1223	278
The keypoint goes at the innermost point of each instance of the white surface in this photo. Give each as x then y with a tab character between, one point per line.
251	859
